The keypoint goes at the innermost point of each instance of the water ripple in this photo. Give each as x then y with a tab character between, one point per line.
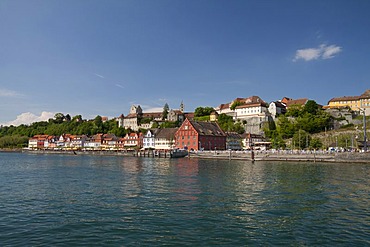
53	200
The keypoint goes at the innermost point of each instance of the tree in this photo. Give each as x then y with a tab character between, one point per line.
301	139
166	108
311	107
316	143
235	104
68	118
203	111
285	127
59	117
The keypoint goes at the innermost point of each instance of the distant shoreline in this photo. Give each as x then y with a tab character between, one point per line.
345	157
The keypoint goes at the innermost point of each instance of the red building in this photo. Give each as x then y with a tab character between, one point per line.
200	136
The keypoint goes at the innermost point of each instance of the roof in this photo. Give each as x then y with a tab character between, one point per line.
152	115
345	98
233	135
189	115
365	95
301	101
167	133
207	128
279	104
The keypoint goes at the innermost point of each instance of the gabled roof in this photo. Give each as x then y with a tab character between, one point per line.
207	128
279	104
167	133
301	102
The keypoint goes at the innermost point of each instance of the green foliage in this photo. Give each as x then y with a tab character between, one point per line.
202	119
310	119
13	141
166	108
155	125
316	143
311	107
301	139
227	123
294	111
235	104
277	141
169	124
203	111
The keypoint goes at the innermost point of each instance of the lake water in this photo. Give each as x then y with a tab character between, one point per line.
66	200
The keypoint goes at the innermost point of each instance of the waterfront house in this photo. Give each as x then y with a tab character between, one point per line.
37	142
133	140
200	136
94	142
233	141
109	142
255	141
149	139
78	141
165	139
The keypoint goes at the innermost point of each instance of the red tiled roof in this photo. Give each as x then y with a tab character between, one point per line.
302	101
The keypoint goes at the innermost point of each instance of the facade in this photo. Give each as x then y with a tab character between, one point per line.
109	142
133	140
149	139
38	142
255	141
276	108
175	115
233	141
253	110
200	136
165	139
356	103
213	117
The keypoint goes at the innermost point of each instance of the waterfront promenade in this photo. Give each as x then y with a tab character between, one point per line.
299	156
319	156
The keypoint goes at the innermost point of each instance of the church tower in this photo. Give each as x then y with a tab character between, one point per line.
182	107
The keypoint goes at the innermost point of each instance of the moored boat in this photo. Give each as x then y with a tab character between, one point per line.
179	153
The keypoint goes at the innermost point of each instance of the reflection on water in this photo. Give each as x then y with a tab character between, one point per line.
97	200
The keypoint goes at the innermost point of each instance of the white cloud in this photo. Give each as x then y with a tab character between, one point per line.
330	51
321	52
120	86
9	93
28	118
99	75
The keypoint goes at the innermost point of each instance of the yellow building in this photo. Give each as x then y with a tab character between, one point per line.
354	102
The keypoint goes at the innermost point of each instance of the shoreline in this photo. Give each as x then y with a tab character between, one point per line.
345	157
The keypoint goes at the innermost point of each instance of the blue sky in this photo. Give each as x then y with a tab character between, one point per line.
100	57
